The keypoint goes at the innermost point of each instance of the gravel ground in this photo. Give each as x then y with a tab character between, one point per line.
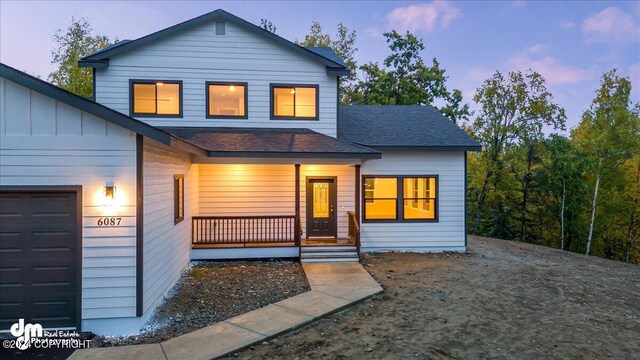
209	292
501	300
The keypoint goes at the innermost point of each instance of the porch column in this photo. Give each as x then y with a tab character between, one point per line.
297	197
357	204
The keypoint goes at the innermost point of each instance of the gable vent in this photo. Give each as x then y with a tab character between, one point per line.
221	28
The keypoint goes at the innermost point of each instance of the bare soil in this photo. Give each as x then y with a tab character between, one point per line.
500	300
210	292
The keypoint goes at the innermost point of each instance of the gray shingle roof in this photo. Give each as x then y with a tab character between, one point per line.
265	142
328	53
408	127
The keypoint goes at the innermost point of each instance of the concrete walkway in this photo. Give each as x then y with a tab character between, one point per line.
334	286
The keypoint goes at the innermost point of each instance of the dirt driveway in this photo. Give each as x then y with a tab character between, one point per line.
501	300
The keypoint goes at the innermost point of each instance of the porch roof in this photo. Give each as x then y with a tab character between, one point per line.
269	142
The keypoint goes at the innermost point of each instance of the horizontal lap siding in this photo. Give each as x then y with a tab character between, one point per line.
45	142
449	230
198	55
252	190
166	246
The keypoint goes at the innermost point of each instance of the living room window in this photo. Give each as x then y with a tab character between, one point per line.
156	98
294	102
226	100
400	198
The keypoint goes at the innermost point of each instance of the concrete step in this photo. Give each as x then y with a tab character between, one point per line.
328	248
317	260
328	253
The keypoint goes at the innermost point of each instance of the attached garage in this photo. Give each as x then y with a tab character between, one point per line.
41	251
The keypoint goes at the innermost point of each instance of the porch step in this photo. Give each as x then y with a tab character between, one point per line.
328	254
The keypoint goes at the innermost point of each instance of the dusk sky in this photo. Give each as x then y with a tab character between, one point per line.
570	43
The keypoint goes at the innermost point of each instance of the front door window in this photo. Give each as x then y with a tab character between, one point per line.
320	200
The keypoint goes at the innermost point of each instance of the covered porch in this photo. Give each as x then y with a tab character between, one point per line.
301	190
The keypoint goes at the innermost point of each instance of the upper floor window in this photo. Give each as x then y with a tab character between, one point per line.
156	98
291	102
226	100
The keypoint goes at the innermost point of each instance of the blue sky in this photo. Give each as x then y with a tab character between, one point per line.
571	43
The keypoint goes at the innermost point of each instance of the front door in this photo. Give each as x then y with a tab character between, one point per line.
321	207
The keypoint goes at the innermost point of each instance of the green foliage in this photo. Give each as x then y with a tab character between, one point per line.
73	43
344	45
407	80
267	25
528	186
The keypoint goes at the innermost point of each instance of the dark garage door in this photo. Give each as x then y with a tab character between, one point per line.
40	257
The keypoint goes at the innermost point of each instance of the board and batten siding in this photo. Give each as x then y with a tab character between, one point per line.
166	245
448	232
269	189
44	142
199	55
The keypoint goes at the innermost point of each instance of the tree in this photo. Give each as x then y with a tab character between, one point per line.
407	80
73	43
513	111
267	25
344	46
609	133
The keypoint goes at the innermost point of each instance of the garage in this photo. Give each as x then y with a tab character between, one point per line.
40	252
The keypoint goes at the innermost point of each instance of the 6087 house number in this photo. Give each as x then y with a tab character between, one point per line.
109	221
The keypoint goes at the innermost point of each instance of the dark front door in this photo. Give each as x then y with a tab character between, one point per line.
39	258
321	207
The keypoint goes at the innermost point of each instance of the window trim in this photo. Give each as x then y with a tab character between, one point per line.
132	82
178	218
400	200
274	86
236	83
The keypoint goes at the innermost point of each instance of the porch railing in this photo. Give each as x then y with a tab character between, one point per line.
354	229
243	231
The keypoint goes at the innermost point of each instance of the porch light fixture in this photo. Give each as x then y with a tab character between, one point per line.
109	193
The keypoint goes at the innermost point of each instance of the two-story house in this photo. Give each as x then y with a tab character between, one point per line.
211	139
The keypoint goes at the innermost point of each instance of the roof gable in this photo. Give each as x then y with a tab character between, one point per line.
83	104
403	128
100	59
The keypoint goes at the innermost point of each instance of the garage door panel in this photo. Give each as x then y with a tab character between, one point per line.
40	258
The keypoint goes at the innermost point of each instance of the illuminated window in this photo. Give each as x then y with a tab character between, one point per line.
381	198
178	198
156	98
294	102
226	100
419	198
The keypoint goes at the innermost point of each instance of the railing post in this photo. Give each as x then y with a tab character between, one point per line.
296	225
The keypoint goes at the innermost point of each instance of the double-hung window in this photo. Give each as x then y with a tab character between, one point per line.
156	98
226	100
400	198
294	102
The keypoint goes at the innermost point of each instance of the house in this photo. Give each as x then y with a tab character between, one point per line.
211	139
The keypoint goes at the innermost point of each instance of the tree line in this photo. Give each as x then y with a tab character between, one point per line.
533	181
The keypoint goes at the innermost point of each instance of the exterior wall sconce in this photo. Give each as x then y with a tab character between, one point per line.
109	194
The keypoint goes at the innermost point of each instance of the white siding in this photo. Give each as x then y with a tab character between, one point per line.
166	246
45	142
252	189
448	232
198	55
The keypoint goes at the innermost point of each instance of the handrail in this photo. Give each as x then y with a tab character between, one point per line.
242	230
354	229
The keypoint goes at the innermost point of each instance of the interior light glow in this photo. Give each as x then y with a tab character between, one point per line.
232	88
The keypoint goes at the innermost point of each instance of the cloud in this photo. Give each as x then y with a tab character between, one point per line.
567	25
611	26
554	72
425	17
634	75
534	49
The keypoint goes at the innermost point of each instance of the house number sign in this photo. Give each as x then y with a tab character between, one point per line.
109	221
